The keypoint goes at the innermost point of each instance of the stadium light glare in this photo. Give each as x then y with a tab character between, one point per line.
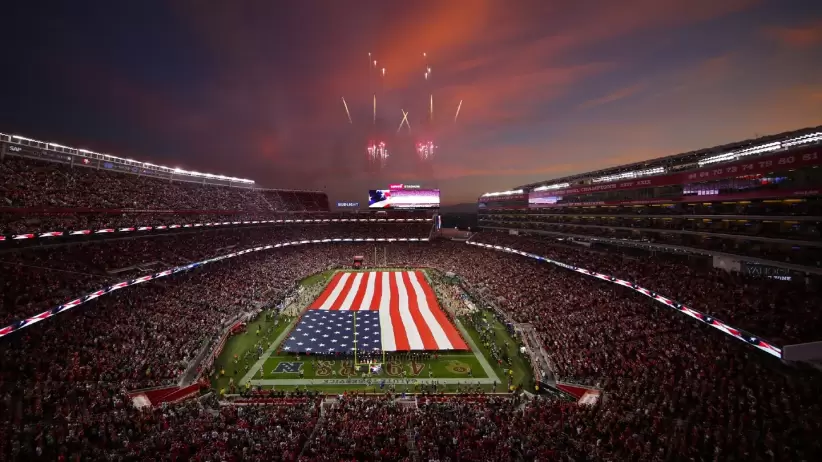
87	153
809	138
627	175
502	193
552	187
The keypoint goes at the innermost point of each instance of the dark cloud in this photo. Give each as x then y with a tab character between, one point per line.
548	87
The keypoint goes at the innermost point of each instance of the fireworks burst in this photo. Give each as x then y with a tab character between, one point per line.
377	150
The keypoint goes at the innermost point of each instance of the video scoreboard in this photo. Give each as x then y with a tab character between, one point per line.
404	196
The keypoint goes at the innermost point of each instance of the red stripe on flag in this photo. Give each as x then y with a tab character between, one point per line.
356	304
346	289
454	337
377	298
400	337
428	341
328	289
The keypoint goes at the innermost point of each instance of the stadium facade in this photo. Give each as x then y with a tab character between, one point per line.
754	206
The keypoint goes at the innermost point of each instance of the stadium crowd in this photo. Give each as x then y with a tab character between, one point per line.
40	278
41	186
361	429
674	389
750	227
804	252
781	311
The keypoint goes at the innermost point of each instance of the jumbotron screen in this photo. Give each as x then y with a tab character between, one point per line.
403	198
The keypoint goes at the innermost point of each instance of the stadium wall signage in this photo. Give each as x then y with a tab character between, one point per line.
682	199
86	232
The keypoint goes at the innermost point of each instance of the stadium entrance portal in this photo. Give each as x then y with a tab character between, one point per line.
357	262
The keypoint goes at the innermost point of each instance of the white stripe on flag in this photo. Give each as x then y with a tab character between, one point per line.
386	329
352	292
329	302
436	329
369	292
414	339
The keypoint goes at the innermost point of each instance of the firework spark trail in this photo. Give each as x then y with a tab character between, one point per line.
370	85
427	67
346	111
431	108
372	64
458	111
404	121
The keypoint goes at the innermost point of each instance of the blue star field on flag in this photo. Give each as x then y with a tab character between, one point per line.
332	331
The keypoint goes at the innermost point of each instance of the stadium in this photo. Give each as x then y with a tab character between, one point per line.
224	239
235	306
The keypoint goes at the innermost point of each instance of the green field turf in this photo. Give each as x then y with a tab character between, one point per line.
333	375
451	365
240	343
522	372
317	278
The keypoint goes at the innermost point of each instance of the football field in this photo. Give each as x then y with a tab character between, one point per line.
418	343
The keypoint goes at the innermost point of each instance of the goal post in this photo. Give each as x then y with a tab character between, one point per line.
357	364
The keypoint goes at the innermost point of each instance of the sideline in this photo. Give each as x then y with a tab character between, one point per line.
375	381
260	362
489	371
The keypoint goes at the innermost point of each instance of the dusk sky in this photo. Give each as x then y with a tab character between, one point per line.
549	88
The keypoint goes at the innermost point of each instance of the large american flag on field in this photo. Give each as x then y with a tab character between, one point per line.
376	311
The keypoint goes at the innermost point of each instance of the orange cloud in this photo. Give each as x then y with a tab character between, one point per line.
511	97
805	36
509	65
491	37
441	32
502	75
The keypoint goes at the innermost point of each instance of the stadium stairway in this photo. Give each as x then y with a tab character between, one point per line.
268	203
412	444
317	425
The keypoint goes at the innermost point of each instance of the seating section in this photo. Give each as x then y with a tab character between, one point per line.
786	231
34	184
40	278
783	312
